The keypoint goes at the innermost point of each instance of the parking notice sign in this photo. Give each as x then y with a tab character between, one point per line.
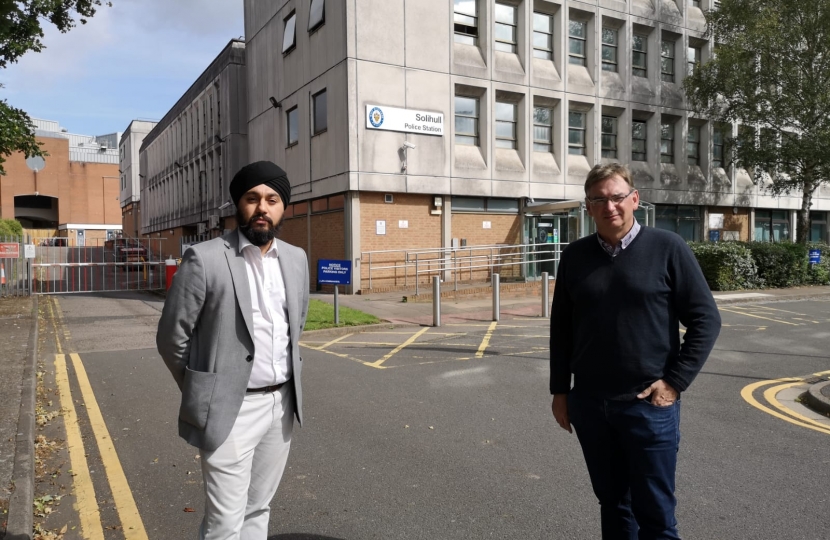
9	250
334	272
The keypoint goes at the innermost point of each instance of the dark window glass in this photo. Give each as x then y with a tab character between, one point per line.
609	49
609	137
542	129
320	111
289	38
638	141
576	42
639	58
317	16
293	124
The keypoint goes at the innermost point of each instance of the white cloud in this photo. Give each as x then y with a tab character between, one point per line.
137	57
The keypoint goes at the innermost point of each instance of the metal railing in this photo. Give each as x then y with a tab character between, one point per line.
457	263
14	268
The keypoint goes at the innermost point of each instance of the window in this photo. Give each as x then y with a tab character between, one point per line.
292	122
818	226
683	220
506	125
609	49
639	56
466	120
506	28
465	17
696	3
289	39
576	42
666	142
694	59
772	225
317	17
576	133
542	129
319	107
717	148
693	145
481	204
609	137
638	141
667	61
542	36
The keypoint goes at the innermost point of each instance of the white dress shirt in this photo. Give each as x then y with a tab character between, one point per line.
272	353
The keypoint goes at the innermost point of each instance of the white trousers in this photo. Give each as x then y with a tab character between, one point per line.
242	475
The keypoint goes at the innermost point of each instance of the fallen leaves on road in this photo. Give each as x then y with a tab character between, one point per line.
188	509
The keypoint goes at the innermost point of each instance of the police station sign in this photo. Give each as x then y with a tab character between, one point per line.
405	120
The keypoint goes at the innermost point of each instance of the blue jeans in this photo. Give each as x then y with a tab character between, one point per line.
630	448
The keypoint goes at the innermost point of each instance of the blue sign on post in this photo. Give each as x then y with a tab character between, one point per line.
815	256
333	272
714	236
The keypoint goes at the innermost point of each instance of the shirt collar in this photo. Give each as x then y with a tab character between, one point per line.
627	239
245	243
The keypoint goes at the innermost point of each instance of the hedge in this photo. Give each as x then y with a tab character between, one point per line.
10	228
730	266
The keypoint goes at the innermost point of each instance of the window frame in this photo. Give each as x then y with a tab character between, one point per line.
644	138
539	143
667	58
476	136
610	151
608	65
576	149
546	54
693	59
512	141
693	144
644	52
717	162
461	30
512	46
292	20
314	112
288	118
312	25
666	152
676	213
575	58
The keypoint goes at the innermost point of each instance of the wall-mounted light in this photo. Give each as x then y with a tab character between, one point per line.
402	154
274	103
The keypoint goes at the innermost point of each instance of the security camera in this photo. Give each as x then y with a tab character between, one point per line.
408	144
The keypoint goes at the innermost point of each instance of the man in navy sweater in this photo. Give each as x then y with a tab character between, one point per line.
620	297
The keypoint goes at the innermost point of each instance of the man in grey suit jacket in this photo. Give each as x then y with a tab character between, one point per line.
229	333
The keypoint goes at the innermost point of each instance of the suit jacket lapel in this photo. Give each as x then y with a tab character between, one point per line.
239	274
289	278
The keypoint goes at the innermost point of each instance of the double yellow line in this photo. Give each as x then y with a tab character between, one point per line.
778	410
86	502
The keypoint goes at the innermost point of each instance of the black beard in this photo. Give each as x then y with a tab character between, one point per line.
258	237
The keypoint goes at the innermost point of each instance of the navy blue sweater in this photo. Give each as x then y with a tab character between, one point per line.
614	320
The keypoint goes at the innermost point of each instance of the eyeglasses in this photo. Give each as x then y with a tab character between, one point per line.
616	200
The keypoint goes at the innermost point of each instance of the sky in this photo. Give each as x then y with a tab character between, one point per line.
131	61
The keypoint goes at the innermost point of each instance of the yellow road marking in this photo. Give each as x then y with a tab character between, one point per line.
805	320
820	373
769	395
758	317
121	495
332	342
746	393
399	348
85	501
486	340
784	311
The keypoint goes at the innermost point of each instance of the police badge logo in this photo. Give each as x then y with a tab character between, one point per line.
376	117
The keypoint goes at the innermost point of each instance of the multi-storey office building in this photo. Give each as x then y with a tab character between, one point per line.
130	196
409	124
188	159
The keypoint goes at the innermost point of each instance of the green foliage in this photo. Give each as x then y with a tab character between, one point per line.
21	31
819	274
770	72
727	266
780	264
10	228
321	315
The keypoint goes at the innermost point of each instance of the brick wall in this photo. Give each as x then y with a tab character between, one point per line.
505	229
423	232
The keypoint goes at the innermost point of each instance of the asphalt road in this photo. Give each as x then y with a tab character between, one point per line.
442	435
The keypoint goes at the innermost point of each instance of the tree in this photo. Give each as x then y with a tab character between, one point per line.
10	228
770	72
21	31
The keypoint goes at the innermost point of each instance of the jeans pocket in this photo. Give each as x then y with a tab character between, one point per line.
197	393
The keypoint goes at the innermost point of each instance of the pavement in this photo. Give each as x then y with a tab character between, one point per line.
387	306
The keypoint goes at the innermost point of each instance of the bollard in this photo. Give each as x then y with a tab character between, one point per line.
496	300
336	308
170	268
436	301
545	295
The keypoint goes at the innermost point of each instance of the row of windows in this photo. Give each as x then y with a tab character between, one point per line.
467	132
316	19
319	118
466	22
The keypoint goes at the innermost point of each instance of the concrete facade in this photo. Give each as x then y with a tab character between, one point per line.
72	193
128	159
188	159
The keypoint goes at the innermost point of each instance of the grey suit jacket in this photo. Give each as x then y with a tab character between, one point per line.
204	334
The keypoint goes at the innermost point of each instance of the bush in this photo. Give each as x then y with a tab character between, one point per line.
10	228
727	266
819	274
780	264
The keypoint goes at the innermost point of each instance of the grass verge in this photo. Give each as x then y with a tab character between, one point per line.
321	315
